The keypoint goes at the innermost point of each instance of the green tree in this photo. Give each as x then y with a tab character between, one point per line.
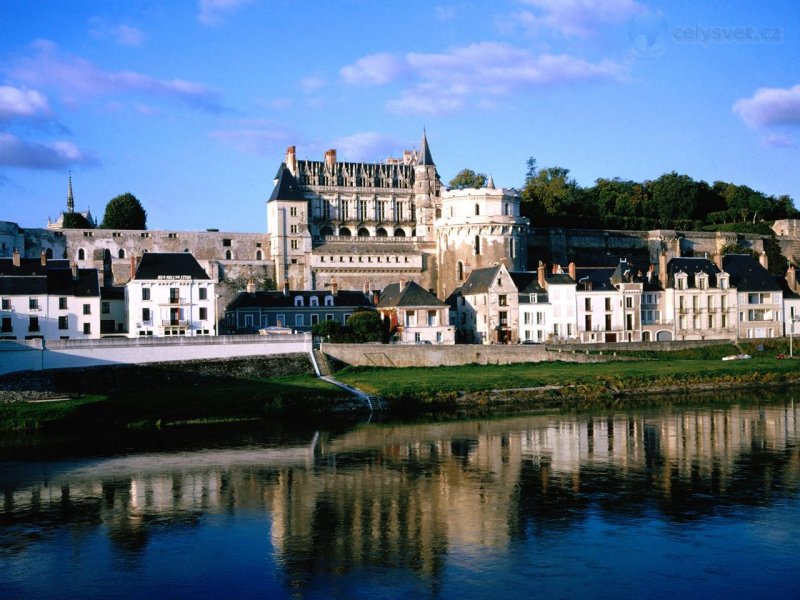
551	197
329	330
73	220
365	326
124	212
467	178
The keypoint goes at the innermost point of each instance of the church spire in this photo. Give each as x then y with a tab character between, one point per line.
70	199
490	183
425	157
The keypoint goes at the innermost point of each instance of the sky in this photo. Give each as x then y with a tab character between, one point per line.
191	104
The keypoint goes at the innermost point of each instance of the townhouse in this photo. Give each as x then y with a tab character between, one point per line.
415	314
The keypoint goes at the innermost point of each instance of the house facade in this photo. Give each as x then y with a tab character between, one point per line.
490	307
415	314
170	295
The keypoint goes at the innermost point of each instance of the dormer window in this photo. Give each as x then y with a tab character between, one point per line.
313	301
701	281
722	281
680	281
328	300
298	301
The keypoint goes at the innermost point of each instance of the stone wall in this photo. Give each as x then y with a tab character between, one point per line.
61	354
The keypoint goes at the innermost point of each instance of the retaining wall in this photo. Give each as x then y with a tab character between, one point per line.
61	354
387	355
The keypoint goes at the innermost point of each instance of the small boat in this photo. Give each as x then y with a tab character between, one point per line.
737	357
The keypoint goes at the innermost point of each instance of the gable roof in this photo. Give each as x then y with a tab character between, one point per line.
747	274
27	266
286	187
169	265
412	294
30	285
480	280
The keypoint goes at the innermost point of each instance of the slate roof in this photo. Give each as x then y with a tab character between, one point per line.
411	295
425	157
286	188
600	279
30	285
60	282
277	299
747	274
559	278
169	264
692	266
788	293
480	280
27	266
110	292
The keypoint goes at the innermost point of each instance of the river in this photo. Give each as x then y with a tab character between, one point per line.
698	501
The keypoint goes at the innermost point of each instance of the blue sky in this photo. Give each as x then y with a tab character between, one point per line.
190	105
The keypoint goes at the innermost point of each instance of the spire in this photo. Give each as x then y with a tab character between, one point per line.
490	183
70	199
425	157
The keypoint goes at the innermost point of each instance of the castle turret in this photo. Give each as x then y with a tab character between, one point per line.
427	188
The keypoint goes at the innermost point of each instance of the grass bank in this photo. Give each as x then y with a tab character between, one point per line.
224	400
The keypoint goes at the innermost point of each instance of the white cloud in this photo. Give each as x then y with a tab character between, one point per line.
374	69
770	106
254	136
124	35
576	18
22	103
212	12
15	152
365	146
448	81
779	140
76	78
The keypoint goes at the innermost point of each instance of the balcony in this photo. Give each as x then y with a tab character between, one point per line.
174	323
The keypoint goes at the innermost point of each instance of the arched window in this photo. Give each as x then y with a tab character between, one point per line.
363	232
259	256
477	209
399	232
344	232
81	254
460	271
313	301
228	255
505	209
477	245
121	253
381	232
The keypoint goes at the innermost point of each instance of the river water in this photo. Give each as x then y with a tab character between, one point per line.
680	502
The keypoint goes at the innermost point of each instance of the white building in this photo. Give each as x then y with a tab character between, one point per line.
170	294
418	316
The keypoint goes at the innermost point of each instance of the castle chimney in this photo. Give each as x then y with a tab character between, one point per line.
402	285
286	288
330	159
718	260
133	265
365	289
376	297
251	286
677	247
572	271
791	279
43	258
334	286
764	260
291	159
540	275
662	269
15	258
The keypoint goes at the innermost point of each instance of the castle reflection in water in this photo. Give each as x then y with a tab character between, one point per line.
407	495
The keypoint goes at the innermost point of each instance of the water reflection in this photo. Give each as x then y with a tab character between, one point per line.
413	497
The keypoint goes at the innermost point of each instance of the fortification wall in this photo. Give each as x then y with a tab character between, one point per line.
60	354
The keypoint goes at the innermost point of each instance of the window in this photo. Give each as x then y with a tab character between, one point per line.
294	244
460	271
724	320
433	321
608	303
628	302
174	295
299	320
477	245
87	328
281	320
6	304
587	304
505	209
121	253
477	209
226	242
503	318
298	301
81	254
314	319
328	300
587	323
313	301
33	303
502	300
417	337
411	318
33	324
259	255
87	309
328	316
293	211
203	313
202	294
145	293
608	322
146	315
293	229
6	325
228	255
540	318
63	322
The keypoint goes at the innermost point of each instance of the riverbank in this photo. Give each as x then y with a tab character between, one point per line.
200	392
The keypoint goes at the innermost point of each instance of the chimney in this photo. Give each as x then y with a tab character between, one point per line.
251	286
15	257
334	286
662	269
791	279
540	275
402	285
286	288
376	297
677	247
43	258
650	273
572	270
74	270
365	289
291	159
330	159
764	260
718	260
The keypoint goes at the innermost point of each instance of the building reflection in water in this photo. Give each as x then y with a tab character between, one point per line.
407	495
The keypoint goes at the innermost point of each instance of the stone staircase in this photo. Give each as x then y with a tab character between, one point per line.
322	363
